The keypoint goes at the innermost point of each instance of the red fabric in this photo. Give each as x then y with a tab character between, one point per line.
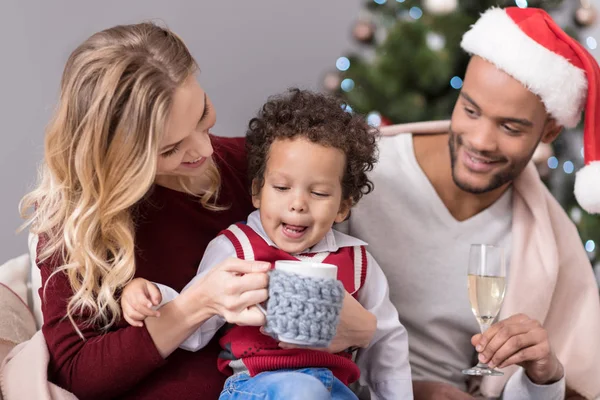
363	273
260	352
263	252
172	232
540	27
239	251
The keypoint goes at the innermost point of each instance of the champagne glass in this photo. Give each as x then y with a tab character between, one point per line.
486	281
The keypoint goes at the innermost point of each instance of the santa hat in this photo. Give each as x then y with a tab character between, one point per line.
528	45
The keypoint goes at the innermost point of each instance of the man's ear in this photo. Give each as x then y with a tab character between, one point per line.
344	210
551	131
255	194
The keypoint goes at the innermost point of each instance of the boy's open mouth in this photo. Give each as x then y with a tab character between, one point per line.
293	231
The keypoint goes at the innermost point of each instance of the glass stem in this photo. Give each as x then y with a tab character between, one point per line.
483	328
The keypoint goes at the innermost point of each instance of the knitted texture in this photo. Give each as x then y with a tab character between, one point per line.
302	308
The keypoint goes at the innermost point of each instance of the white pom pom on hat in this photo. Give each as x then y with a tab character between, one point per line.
527	44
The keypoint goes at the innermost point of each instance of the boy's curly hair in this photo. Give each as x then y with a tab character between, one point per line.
322	119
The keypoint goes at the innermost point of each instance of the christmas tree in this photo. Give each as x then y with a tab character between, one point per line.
409	68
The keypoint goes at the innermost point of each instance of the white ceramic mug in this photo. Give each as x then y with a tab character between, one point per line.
307	268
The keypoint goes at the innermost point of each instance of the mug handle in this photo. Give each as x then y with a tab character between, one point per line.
261	309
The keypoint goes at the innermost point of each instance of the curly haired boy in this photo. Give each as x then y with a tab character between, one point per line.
308	160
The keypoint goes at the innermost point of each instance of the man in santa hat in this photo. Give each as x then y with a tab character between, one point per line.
435	195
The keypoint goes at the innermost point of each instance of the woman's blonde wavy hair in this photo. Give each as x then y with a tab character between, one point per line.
101	152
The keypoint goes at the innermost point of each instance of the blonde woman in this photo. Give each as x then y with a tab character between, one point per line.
134	185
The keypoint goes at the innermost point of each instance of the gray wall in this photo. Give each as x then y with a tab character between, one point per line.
247	50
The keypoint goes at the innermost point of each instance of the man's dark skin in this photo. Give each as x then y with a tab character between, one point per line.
496	121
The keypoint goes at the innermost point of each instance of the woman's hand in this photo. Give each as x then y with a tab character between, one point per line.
231	290
355	329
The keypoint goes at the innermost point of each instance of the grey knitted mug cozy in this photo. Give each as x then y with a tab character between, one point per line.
303	309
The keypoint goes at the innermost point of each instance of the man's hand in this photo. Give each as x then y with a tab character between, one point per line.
355	329
522	341
427	390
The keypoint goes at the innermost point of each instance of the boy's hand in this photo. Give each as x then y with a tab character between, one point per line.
355	329
139	296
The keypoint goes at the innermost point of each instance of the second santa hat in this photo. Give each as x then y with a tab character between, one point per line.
528	45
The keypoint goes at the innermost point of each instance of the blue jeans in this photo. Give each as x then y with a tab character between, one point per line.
299	384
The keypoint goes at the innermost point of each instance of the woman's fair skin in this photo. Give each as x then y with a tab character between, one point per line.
130	115
185	152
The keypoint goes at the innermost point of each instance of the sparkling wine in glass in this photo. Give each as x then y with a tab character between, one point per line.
487	283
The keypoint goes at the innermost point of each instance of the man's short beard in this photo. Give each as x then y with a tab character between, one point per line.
501	178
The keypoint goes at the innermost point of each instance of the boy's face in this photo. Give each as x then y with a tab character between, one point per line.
302	193
496	125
